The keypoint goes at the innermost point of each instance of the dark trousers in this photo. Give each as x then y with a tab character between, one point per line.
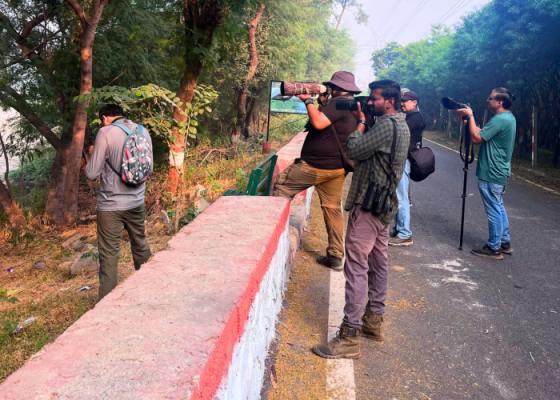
110	225
366	268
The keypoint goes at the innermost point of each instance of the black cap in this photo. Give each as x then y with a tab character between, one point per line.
409	96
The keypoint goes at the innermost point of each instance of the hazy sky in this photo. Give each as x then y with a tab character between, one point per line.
403	21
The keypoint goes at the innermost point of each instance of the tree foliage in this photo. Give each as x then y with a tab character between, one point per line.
505	43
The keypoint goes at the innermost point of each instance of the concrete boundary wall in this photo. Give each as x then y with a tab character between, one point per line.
195	322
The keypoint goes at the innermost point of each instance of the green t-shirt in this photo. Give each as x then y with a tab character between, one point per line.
494	156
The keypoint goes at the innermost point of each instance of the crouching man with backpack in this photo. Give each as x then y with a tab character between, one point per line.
122	155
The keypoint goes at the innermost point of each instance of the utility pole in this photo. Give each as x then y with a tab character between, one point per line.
449	118
534	139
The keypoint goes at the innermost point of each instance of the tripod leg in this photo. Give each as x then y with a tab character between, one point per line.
466	169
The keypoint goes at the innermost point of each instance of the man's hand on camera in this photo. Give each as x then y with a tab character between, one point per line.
465	112
303	97
359	114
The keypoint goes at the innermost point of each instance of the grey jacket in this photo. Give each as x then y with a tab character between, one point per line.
114	194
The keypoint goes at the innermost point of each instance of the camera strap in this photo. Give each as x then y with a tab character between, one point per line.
392	175
346	162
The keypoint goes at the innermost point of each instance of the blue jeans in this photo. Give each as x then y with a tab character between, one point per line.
402	217
498	224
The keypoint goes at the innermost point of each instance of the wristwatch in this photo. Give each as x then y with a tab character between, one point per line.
362	121
308	102
469	117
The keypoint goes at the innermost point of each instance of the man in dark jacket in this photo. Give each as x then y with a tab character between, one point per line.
321	162
119	206
401	234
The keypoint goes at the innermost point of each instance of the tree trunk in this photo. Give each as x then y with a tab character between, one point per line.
54	209
17	220
72	157
341	14
177	149
7	200
253	64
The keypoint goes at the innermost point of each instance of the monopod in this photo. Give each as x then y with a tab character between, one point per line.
466	151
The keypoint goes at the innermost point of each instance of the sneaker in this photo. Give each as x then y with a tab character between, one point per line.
488	253
331	262
346	344
397	241
371	326
506	248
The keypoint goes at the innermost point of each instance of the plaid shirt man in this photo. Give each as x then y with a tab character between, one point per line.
362	149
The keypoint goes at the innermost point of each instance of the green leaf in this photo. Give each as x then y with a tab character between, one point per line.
194	123
192	129
138	93
208	109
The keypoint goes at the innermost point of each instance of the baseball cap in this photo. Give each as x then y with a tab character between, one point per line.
410	95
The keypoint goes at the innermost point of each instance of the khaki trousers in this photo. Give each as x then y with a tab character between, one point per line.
110	225
300	176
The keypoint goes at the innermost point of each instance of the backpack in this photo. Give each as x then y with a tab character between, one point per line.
422	163
137	159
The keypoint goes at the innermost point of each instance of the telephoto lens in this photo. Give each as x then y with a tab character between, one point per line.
297	88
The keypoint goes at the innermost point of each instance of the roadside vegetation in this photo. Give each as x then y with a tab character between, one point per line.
196	77
505	43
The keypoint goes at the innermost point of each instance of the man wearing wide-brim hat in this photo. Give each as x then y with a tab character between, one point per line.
322	162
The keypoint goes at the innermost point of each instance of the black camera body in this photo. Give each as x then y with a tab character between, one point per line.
352	104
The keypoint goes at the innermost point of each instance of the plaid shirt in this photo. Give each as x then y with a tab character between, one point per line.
362	148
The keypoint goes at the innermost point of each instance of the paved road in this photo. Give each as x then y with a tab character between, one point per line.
462	327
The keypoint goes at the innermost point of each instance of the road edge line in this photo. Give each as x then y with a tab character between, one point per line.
512	174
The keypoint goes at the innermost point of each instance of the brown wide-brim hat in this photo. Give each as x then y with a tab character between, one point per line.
344	80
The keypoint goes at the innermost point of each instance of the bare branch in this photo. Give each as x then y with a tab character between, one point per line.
18	103
79	11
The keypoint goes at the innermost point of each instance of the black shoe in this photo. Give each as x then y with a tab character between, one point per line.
331	262
488	253
506	248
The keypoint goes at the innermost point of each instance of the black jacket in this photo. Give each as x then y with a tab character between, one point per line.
416	125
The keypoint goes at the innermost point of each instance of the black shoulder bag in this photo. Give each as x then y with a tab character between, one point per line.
346	162
377	196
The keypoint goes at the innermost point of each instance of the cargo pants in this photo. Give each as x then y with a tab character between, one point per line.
300	176
110	225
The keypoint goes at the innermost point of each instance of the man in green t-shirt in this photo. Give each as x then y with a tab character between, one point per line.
496	141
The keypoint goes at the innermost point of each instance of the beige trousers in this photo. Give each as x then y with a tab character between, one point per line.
300	176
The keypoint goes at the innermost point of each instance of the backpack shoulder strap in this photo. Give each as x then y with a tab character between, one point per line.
123	127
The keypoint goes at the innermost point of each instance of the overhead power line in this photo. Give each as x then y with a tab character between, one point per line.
447	14
410	19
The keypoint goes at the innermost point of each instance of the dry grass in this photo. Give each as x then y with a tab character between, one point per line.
50	295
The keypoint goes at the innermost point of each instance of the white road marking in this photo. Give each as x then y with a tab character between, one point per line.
340	373
341	384
516	176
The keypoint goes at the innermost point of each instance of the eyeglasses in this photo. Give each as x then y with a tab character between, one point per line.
490	99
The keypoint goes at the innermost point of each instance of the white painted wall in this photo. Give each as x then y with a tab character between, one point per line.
245	374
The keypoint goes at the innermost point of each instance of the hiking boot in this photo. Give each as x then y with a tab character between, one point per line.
506	248
488	253
331	262
397	241
371	326
346	344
